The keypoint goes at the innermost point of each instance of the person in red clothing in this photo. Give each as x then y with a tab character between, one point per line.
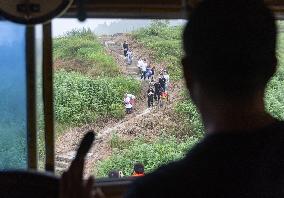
138	170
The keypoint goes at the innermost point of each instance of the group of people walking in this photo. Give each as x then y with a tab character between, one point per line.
158	86
146	70
158	90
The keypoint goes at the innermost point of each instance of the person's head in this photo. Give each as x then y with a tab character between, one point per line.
144	59
229	49
139	168
124	41
113	174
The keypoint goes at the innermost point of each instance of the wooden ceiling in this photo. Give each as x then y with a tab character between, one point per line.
148	8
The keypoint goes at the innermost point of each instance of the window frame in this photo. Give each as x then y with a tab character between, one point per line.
48	80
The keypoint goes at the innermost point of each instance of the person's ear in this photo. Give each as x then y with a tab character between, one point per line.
187	73
275	62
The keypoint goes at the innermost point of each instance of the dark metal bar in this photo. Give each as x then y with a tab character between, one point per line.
48	97
31	97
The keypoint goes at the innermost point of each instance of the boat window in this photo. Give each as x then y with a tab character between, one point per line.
13	102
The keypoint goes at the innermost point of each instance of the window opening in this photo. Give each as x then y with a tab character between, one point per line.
13	103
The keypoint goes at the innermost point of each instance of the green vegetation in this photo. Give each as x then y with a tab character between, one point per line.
152	154
190	118
90	85
165	43
82	46
274	97
82	99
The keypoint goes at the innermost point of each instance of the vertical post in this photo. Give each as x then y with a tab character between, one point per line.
31	97
48	97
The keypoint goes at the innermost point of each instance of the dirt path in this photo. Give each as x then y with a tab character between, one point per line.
67	143
141	121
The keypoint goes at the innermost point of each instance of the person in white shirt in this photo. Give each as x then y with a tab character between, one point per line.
167	77
129	57
144	69
140	62
132	100
128	105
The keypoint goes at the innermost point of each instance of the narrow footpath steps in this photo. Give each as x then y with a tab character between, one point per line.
63	161
115	47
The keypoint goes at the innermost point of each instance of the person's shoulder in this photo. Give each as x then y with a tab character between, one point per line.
274	134
180	178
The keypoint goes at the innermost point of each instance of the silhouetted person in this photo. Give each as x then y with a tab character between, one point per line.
229	58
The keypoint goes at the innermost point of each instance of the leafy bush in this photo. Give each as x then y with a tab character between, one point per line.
191	118
151	154
84	46
165	43
82	99
118	143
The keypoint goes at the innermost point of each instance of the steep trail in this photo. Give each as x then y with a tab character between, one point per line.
114	47
141	121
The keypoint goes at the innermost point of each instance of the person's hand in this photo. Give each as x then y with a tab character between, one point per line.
72	184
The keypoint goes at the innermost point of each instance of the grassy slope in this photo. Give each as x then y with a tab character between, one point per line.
94	87
165	44
82	99
88	84
82	47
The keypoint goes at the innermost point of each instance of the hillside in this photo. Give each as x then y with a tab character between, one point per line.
158	137
79	87
91	78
